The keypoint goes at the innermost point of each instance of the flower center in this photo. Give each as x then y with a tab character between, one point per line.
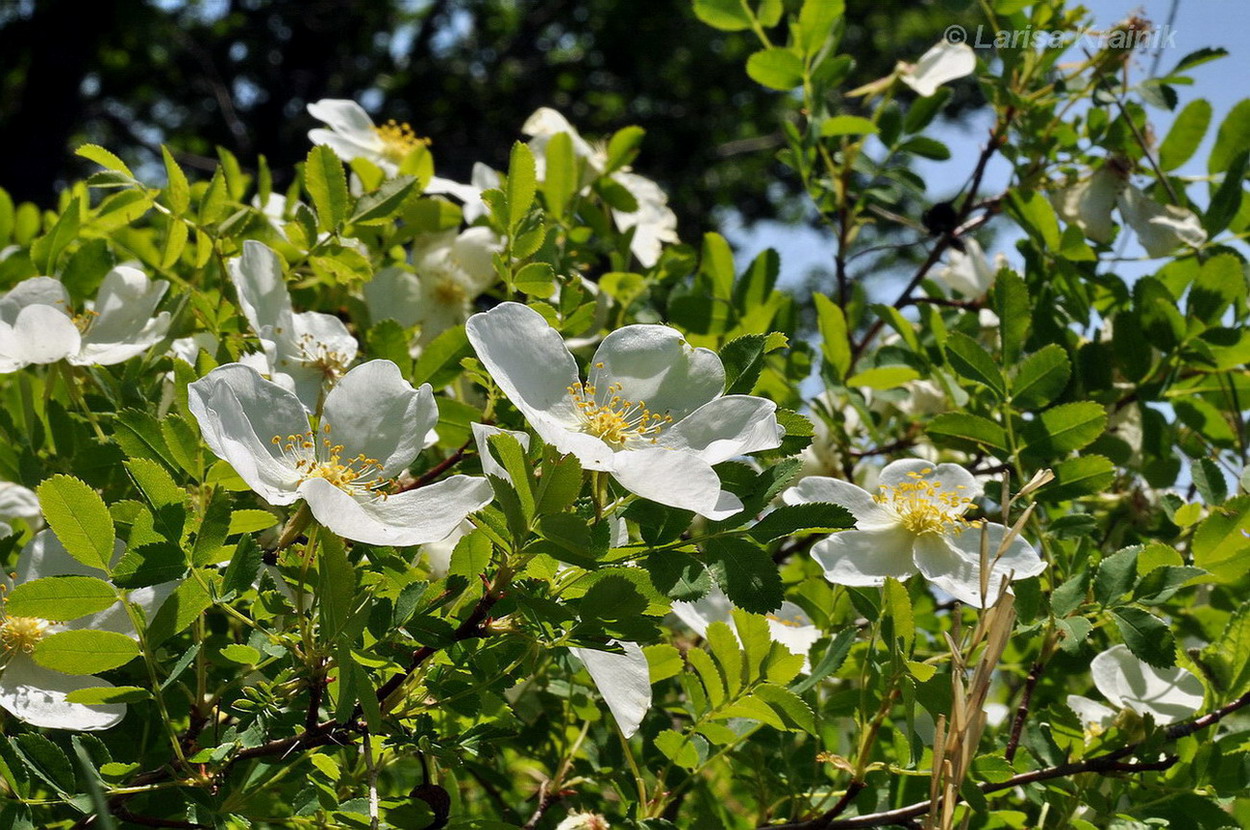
448	291
320	457
610	417
21	633
922	506
398	140
318	355
83	320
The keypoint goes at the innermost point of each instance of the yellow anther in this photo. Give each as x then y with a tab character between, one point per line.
398	140
359	475
613	418
21	633
924	506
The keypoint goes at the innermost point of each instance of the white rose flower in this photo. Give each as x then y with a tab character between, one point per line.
18	502
452	270
654	223
1167	695
788	625
915	523
352	134
37	325
37	695
651	414
943	63
482	178
304	351
371	428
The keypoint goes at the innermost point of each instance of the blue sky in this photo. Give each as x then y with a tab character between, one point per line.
1198	24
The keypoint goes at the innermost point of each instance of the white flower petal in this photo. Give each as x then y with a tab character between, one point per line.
726	428
545	123
416	517
1091	712
261	288
864	558
654	222
656	365
44	556
473	253
438	554
1168	694
123	309
374	411
790	626
342	115
18	502
42	334
33	291
239	414
676	479
712	607
481	438
528	360
36	696
1019	561
354	146
1161	229
944	62
624	680
968	272
394	293
868	514
1088	204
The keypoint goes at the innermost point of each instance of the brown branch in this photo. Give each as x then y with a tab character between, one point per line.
438	469
1022	711
1107	763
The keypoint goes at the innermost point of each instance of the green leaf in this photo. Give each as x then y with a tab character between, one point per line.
897	604
242	654
178	191
816	21
679	575
1161	584
561	178
1185	135
1228	657
743	358
1232	139
970	359
60	598
381	205
972	428
538	279
829	661
682	751
176	613
1041	378
883	377
835	342
213	530
47	249
560	484
80	520
336	584
507	449
471	555
521	185
1209	480
623	147
846	125
440	358
1219	544
1116	575
726	15
746	573
791	519
97	695
796	714
1081	476
85	651
150	564
47	761
251	521
1228	198
1146	636
776	68
327	186
1065	428
1220	283
102	157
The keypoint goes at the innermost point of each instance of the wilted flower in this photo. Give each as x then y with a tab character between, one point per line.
371	428
304	351
651	413
37	324
37	695
1167	695
916	523
353	134
1161	229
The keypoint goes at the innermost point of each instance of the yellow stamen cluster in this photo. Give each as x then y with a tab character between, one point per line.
788	623
320	457
331	363
83	321
448	290
613	418
923	506
399	140
21	633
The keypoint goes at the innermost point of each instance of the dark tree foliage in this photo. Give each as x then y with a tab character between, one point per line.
130	75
